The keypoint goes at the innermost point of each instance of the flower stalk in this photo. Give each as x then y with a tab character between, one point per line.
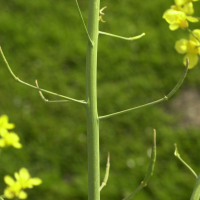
91	99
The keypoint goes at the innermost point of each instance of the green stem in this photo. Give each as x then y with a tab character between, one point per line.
154	102
35	87
196	191
124	38
91	106
81	16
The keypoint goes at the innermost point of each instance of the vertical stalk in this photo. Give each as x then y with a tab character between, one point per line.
91	107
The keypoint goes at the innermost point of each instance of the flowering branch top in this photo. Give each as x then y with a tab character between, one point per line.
179	16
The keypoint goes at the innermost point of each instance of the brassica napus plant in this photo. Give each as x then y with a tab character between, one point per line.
185	6
179	16
8	138
90	101
190	47
4	124
23	180
178	19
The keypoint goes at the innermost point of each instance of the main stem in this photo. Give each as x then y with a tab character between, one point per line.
91	107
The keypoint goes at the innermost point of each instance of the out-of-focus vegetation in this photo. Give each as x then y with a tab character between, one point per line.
45	40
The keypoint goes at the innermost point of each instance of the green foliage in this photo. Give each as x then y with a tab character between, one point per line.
45	40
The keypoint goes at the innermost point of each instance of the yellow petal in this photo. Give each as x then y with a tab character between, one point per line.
4	132
4	122
35	181
24	174
9	180
181	46
188	8
2	143
3	119
8	194
170	16
16	175
192	19
179	2
22	195
17	145
193	60
183	23
173	27
192	47
196	32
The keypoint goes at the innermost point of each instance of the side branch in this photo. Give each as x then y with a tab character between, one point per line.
154	102
176	153
124	38
81	16
107	173
37	88
48	101
150	169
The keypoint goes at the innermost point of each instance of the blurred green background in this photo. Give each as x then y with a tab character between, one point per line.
45	40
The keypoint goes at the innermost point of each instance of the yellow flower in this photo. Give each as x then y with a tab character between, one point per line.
186	8
182	2
9	139
178	19
190	47
23	181
4	125
13	189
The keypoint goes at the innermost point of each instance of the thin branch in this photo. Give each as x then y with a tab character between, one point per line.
154	102
46	100
176	153
124	38
81	16
40	93
107	173
150	169
37	88
196	191
180	81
